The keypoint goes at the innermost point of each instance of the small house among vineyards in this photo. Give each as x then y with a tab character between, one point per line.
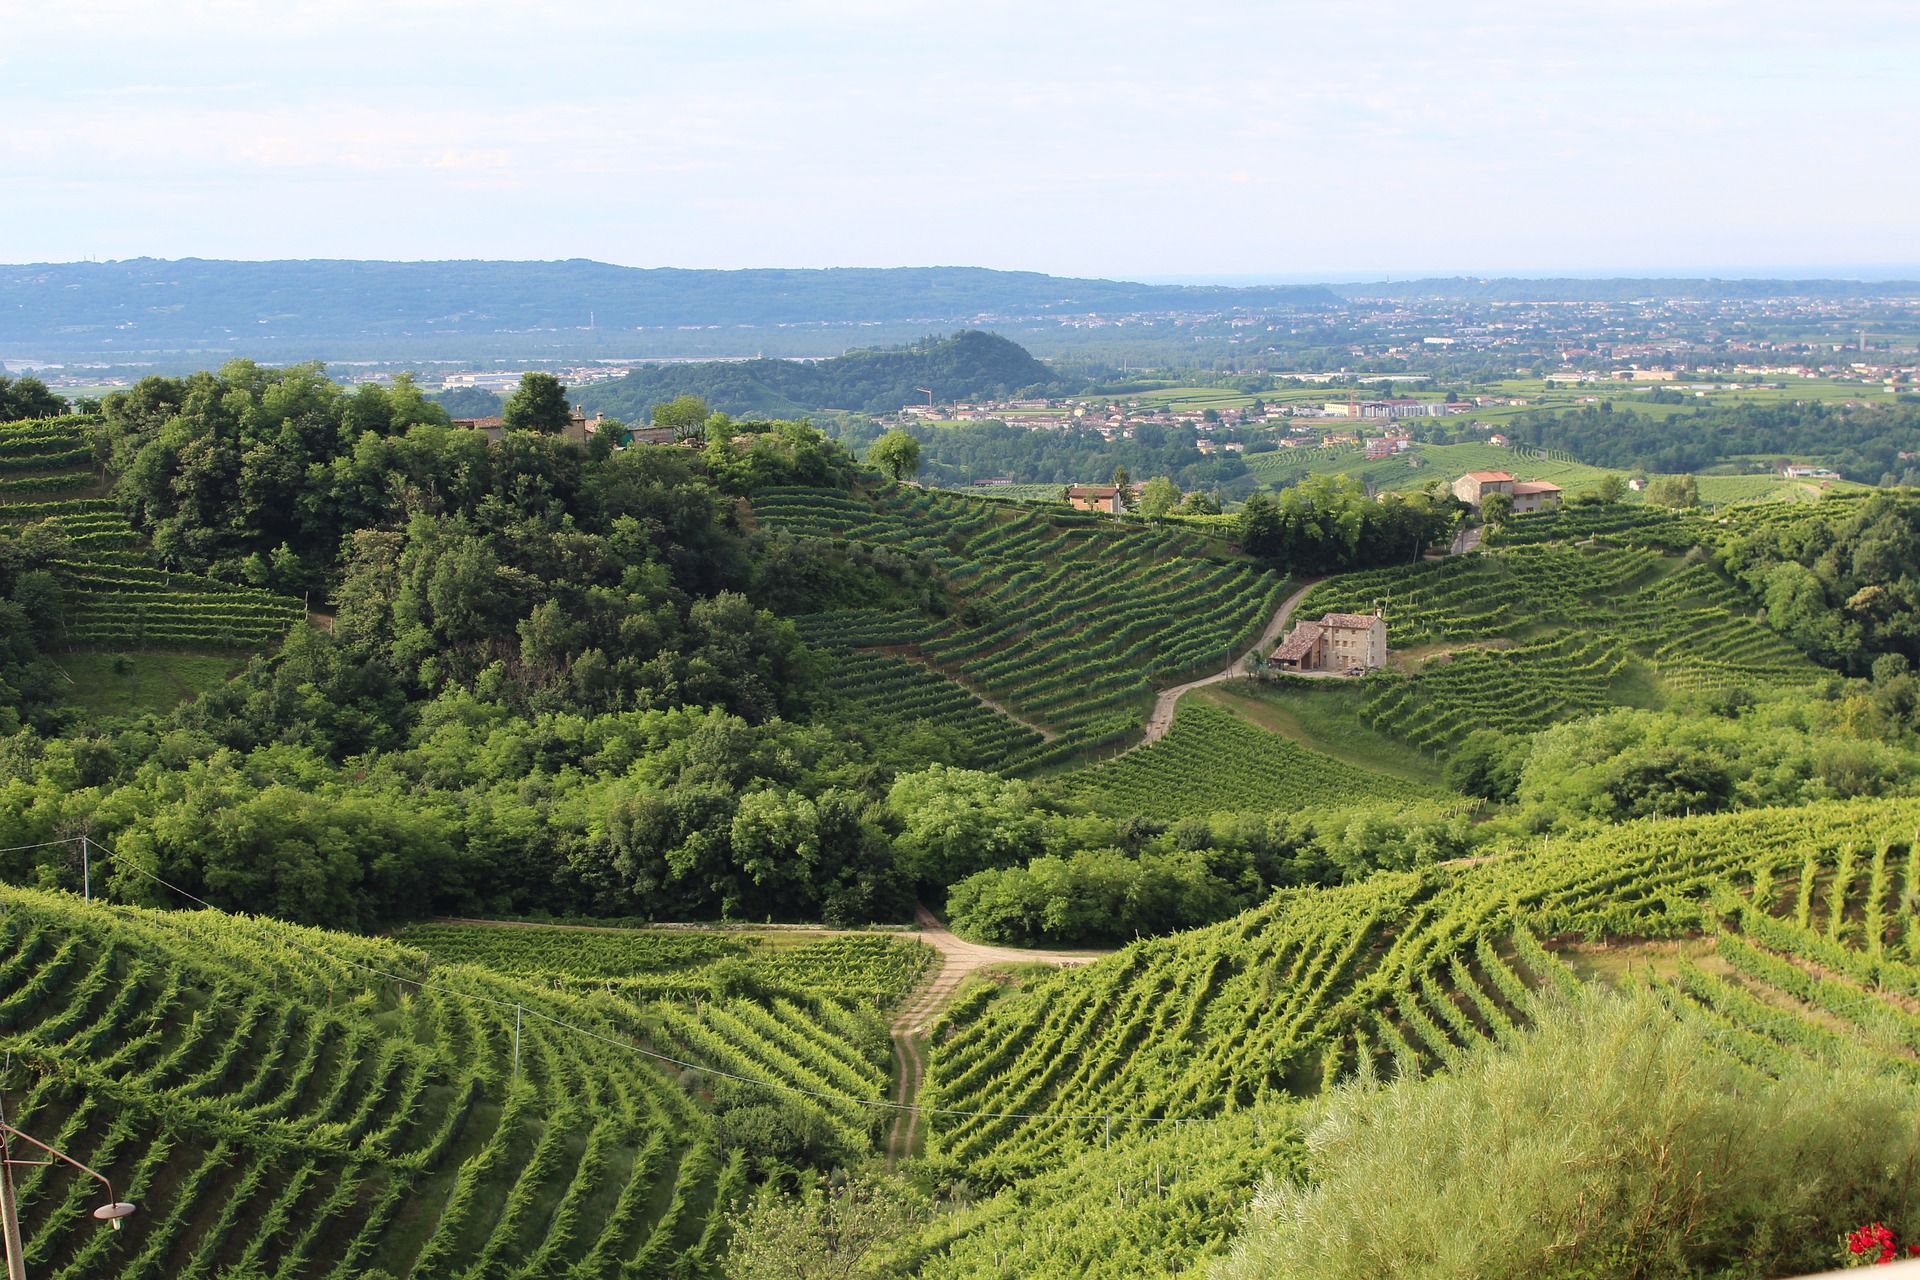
1095	497
1338	642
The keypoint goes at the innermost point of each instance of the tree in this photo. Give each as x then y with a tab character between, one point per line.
1159	496
1496	509
28	398
1674	491
821	1232
897	454
539	405
1612	488
687	415
1124	483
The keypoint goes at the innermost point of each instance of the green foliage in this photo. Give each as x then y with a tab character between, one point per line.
686	415
1674	491
28	397
968	365
1328	523
1066	617
826	1230
1149	1200
1634	764
1841	580
1213	761
1415	968
958	453
539	404
1862	441
1608	1140
897	454
232	1071
954	822
1103	895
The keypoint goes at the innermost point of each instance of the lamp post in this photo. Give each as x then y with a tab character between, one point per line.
112	1211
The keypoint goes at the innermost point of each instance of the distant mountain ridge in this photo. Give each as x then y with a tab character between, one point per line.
969	365
148	301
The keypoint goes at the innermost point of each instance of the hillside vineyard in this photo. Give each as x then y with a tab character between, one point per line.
486	846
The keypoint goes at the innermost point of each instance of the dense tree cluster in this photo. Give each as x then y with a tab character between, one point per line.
1863	443
1847	590
1328	523
969	365
961	453
28	397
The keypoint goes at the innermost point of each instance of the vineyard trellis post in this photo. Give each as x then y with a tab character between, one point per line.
516	1042
86	872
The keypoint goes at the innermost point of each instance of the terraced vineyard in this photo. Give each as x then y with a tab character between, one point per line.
46	456
359	1106
1587	616
891	695
874	968
1478	596
1515	690
113	596
1806	919
1213	761
1072	618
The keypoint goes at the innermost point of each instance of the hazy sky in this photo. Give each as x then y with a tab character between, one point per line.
1115	138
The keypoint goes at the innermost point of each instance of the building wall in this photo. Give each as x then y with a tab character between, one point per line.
1525	502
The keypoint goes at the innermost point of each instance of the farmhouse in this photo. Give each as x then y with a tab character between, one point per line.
1475	487
579	427
1535	495
1798	471
1338	642
1094	497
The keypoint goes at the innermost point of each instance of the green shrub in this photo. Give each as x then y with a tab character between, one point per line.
1611	1141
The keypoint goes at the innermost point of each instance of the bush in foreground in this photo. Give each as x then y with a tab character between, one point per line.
1611	1142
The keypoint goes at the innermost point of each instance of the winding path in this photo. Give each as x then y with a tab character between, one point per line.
916	1016
1161	718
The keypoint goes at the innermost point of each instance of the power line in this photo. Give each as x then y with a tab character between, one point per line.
520	1009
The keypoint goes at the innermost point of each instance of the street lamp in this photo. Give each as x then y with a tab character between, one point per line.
112	1211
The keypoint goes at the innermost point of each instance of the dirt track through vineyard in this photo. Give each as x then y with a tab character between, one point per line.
1161	718
915	1018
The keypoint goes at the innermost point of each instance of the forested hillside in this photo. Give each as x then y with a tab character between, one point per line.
969	365
424	674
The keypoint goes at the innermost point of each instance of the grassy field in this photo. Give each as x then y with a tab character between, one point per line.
1324	717
113	684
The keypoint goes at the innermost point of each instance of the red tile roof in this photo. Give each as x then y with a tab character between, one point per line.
1349	621
1298	644
1093	490
1535	486
1488	477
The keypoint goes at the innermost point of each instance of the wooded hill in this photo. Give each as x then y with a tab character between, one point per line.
969	365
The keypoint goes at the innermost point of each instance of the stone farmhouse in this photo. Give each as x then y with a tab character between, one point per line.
579	428
1095	497
1528	495
1338	642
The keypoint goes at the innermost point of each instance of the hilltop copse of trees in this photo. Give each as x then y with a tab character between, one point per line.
968	365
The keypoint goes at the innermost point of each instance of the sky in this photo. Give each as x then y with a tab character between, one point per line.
1201	139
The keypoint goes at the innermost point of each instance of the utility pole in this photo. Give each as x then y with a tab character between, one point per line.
10	1213
110	1212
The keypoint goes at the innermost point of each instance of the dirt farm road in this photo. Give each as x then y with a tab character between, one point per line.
957	959
1161	718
